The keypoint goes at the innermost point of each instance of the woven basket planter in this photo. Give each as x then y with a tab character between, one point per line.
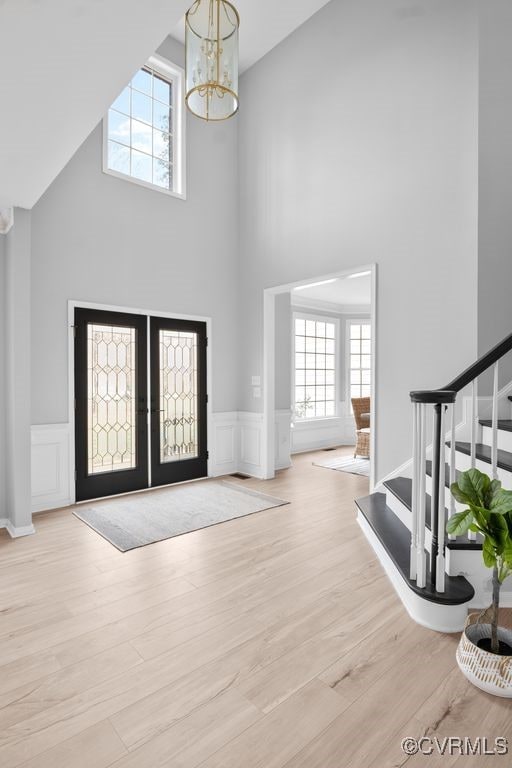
488	671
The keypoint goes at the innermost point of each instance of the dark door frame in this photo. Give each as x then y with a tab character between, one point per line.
77	304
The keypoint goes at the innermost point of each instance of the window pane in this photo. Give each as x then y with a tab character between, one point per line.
329	409
310	393
320	377
365	361
355	391
355	376
141	137
366	331
355	361
161	90
300	361
366	347
365	377
162	117
329	377
329	330
310	327
300	377
141	166
300	395
141	107
320	329
162	147
365	391
300	326
310	377
320	345
310	344
329	346
329	393
320	409
118	158
162	173
355	331
355	347
118	127
300	344
122	103
142	81
320	393
329	362
310	361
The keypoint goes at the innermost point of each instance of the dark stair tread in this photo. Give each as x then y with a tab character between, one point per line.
446	472
503	424
396	540
401	487
483	453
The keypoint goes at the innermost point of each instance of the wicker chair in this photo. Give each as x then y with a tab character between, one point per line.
361	408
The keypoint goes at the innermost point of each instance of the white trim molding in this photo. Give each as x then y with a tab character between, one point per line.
6	220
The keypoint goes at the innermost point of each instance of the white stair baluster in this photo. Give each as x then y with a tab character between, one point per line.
414	501
441	521
421	578
453	471
494	448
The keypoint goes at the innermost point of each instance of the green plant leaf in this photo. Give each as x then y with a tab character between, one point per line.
459	523
475	485
489	553
501	503
458	495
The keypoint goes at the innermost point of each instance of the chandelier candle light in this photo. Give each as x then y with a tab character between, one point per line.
211	41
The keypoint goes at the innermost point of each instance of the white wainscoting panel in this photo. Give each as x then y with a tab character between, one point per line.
52	485
283	439
322	433
251	437
223	445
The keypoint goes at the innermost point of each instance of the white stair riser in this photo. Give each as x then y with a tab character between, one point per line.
404	515
463	462
447	495
504	438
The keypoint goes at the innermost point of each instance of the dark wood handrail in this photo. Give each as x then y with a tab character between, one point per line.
448	394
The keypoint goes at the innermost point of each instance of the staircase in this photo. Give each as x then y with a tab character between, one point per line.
436	576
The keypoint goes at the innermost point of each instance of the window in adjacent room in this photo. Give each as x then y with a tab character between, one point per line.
143	131
314	390
359	357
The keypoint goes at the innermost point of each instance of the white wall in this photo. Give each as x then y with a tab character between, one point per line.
358	144
101	239
2	376
495	178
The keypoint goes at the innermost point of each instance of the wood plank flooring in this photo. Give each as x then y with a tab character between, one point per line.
272	641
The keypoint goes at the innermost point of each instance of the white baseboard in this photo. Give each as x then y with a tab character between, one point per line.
316	434
16	533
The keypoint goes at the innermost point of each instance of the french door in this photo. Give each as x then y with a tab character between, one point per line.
140	420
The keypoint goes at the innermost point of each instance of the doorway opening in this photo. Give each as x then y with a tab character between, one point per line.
320	369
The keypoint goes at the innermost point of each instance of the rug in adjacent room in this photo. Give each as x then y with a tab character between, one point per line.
346	464
143	518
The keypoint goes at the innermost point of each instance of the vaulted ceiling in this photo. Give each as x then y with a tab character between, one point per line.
62	62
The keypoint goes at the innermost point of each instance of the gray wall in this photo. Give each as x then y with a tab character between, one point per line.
2	376
358	144
101	239
495	178
283	352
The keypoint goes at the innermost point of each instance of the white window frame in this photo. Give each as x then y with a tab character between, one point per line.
175	75
322	319
364	320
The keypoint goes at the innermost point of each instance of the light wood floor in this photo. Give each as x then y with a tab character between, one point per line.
273	641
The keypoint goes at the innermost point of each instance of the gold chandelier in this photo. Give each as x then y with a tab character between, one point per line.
211	59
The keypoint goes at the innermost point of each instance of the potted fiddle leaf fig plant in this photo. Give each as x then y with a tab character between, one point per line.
484	653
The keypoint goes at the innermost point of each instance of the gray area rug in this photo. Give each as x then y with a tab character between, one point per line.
346	464
133	521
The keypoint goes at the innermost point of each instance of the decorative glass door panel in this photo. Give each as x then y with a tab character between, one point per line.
178	400
178	395
110	403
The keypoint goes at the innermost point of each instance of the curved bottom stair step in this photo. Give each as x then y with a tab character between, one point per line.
396	540
401	487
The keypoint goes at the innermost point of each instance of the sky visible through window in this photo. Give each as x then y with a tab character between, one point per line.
140	121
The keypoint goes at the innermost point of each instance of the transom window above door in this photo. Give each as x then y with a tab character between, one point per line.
143	131
315	358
